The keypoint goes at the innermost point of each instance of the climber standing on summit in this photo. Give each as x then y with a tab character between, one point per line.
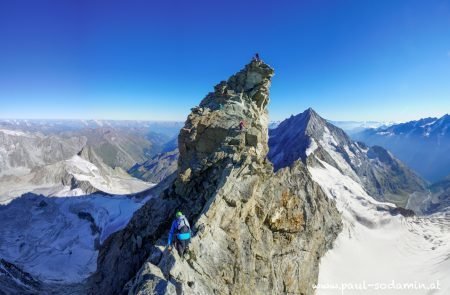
182	231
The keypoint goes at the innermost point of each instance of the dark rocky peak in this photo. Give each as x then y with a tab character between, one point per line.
312	139
292	138
309	119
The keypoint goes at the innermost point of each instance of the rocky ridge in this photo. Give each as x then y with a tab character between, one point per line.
255	231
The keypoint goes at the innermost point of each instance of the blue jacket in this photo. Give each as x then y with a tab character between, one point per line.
174	229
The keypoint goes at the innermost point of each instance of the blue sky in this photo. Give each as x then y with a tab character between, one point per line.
154	60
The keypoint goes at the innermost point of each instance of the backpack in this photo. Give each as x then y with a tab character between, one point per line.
183	227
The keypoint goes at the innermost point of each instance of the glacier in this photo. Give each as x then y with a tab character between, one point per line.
56	239
377	249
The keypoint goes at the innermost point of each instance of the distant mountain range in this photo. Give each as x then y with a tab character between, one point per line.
424	145
119	143
351	127
29	143
169	128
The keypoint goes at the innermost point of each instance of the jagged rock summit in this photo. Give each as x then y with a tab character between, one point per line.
254	231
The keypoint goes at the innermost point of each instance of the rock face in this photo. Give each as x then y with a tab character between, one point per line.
440	198
254	231
307	136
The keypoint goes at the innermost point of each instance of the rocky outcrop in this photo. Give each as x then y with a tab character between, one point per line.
309	137
254	231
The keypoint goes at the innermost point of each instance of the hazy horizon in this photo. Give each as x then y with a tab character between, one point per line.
183	120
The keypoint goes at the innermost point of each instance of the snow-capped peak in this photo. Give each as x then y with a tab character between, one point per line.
307	136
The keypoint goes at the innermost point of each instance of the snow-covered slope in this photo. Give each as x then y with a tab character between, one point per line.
71	205
379	246
73	177
117	182
22	151
55	236
56	166
57	239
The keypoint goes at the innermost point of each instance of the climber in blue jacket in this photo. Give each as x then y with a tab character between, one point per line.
180	233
